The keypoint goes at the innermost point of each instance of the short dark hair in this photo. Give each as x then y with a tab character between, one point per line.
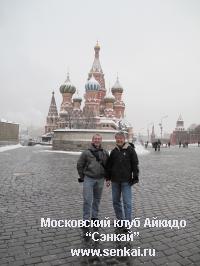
120	134
95	135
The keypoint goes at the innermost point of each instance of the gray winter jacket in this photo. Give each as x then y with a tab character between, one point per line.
88	165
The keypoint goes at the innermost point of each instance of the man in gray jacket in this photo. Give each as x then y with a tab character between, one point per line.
91	169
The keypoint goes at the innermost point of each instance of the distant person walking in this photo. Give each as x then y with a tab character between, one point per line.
158	144
123	172
91	169
180	144
146	144
155	145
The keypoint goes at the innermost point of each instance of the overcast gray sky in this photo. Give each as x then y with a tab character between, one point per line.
153	45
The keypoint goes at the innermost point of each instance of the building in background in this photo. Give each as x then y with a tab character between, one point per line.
102	108
182	135
9	132
194	134
179	135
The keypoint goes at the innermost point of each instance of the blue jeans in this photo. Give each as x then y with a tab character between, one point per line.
92	192
122	190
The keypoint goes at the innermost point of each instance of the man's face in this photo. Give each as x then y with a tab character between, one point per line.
120	140
96	140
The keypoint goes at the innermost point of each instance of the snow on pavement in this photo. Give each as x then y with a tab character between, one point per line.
10	147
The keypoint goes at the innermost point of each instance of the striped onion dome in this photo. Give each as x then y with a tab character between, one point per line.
67	86
92	85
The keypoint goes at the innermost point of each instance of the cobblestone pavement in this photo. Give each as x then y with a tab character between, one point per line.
35	183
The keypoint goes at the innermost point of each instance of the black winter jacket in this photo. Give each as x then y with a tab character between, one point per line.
122	164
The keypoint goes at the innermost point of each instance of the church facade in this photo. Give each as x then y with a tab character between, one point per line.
100	109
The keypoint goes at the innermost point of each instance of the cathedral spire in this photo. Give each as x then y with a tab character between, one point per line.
67	79
97	49
52	118
53	108
96	67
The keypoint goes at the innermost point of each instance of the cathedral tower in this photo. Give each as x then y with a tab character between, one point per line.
97	72
52	117
109	100
119	105
92	100
67	90
180	124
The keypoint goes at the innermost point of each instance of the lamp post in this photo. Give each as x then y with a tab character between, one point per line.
148	129
140	135
161	125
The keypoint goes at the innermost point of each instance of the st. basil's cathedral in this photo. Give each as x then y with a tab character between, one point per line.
103	109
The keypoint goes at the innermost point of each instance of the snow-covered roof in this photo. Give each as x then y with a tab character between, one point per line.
48	134
6	121
125	123
3	120
192	126
108	121
84	130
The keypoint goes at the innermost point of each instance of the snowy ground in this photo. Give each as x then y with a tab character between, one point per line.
68	152
193	145
141	150
10	147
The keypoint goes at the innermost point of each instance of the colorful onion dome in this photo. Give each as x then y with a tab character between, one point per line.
92	85
67	87
109	98
117	87
76	97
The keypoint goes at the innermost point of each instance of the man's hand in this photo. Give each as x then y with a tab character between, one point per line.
80	179
108	182
133	181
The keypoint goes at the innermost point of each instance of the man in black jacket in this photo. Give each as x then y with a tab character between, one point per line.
123	172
